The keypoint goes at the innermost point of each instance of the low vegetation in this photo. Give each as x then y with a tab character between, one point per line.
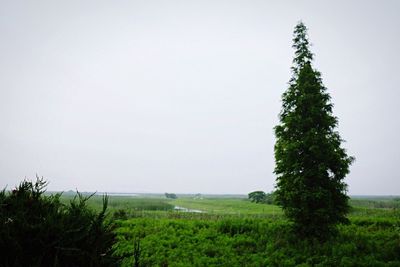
55	230
238	232
253	242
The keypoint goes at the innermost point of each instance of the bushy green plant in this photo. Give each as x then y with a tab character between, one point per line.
171	195
257	196
120	214
38	230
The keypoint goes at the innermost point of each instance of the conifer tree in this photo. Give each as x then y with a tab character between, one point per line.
310	162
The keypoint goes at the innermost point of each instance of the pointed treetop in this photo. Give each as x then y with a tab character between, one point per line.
301	45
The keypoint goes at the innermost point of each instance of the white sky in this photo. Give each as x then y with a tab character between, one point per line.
182	96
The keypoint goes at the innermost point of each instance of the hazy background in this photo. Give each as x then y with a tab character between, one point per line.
182	96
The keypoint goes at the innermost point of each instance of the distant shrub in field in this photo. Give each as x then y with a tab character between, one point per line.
257	196
38	230
120	214
171	195
262	197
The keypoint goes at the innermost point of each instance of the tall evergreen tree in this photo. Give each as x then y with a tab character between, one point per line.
310	162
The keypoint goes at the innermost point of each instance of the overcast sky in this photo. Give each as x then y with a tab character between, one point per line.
182	96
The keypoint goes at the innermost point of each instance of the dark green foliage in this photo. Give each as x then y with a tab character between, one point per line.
38	230
120	214
257	196
310	163
262	197
171	195
270	198
136	252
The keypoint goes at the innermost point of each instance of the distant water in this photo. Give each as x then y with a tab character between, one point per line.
178	208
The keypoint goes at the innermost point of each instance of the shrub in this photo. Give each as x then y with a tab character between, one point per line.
171	195
38	230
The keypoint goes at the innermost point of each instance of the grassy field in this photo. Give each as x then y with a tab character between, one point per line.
252	242
127	203
237	232
227	206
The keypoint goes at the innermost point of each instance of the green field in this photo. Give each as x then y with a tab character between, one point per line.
206	230
237	232
232	206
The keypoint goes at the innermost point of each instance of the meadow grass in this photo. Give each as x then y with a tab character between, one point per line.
128	203
247	241
234	206
237	232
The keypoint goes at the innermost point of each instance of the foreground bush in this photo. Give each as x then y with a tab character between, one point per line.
38	230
